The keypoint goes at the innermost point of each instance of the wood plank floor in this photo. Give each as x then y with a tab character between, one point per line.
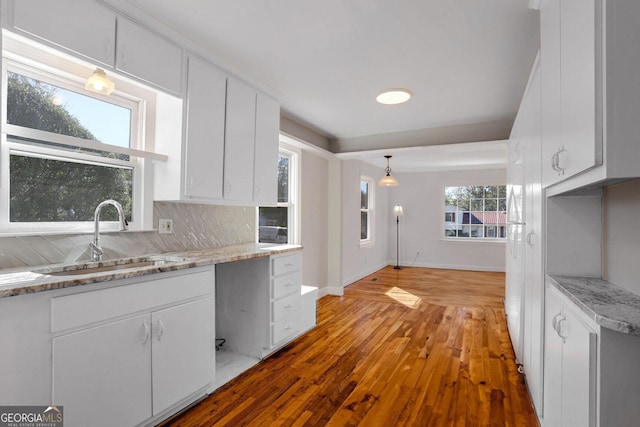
410	347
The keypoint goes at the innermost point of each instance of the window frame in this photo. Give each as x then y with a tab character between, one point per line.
52	67
369	210
292	204
455	215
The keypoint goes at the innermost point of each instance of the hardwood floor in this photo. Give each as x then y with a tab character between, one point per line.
410	347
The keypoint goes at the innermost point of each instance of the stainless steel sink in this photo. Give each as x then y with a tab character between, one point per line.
110	265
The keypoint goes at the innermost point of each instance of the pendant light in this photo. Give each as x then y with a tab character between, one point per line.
388	180
99	82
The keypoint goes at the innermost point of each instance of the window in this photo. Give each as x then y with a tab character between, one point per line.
278	224
477	212
366	210
67	149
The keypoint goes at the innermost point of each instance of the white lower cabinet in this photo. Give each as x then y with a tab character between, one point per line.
570	365
156	352
259	303
104	367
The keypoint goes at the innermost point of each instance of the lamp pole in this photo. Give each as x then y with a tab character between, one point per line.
397	211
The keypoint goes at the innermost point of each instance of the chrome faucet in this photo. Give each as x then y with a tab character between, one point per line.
96	250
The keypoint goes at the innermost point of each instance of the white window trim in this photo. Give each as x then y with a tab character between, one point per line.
63	71
370	240
295	157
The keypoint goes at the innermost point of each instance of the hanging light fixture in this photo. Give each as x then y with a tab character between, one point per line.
388	180
99	82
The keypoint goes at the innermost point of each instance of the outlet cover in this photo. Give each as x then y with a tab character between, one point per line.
165	226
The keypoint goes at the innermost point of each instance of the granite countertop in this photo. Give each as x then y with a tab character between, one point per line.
35	279
609	305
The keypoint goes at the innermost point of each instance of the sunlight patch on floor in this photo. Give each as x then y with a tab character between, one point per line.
404	297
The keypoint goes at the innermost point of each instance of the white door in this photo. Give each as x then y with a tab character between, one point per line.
265	189
514	290
102	375
552	410
183	351
533	277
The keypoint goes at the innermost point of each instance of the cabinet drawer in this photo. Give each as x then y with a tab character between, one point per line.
286	264
285	306
71	311
286	285
285	328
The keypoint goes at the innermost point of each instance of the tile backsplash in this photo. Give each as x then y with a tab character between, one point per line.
195	226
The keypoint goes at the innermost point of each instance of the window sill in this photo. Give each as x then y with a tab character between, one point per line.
367	243
469	240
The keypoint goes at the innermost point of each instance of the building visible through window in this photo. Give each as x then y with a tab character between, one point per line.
478	212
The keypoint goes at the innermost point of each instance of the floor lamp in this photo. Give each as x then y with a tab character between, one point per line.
397	211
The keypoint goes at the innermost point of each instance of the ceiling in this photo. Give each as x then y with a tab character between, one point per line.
466	61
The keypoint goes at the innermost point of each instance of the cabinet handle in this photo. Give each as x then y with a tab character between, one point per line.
560	329
288	284
530	237
286	328
288	264
557	168
160	329
147	332
288	306
554	322
257	190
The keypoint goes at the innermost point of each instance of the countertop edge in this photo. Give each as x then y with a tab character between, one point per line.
606	303
25	281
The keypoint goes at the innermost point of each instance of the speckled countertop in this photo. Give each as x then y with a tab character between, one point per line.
36	279
609	305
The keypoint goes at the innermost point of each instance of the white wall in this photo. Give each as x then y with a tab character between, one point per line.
421	195
621	235
358	262
314	195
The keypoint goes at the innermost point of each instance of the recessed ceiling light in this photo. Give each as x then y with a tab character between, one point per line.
393	96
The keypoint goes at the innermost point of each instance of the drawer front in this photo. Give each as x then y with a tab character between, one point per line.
286	327
286	306
85	308
286	264
286	285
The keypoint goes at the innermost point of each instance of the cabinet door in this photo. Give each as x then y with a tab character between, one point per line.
81	26
581	127
239	141
149	57
104	368
550	80
533	271
552	410
204	146
265	190
578	372
183	351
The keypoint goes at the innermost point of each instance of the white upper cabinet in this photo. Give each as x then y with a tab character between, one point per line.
590	54
147	56
204	137
239	141
82	27
571	125
265	190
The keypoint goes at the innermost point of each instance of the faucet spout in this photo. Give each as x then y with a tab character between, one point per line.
96	250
